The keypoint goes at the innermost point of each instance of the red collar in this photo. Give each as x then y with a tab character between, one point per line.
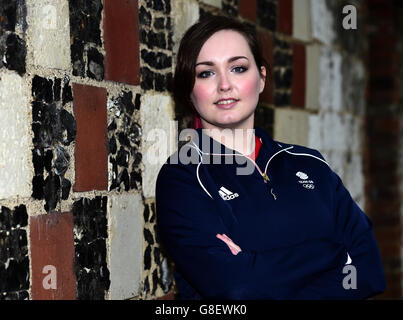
258	143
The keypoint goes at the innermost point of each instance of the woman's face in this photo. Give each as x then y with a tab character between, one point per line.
228	82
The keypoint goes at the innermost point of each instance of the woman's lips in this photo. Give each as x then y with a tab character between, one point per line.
226	105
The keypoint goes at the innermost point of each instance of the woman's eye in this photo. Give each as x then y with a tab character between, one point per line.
204	74
239	69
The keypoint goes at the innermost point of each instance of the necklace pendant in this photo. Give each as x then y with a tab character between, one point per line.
266	177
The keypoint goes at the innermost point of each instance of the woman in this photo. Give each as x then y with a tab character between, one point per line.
281	230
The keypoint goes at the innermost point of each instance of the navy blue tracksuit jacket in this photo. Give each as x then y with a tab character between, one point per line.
296	229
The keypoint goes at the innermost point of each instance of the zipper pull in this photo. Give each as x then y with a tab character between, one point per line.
272	193
265	177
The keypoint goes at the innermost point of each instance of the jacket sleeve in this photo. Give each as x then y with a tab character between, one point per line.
188	222
364	277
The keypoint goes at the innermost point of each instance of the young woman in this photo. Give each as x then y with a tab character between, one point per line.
285	229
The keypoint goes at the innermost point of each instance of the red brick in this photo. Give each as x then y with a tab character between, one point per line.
267	46
51	241
247	9
284	16
389	249
121	37
388	124
383	97
298	76
393	286
169	296
382	219
91	155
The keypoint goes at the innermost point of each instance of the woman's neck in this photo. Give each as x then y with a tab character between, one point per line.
241	139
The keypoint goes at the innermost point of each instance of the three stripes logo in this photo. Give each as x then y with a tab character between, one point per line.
226	194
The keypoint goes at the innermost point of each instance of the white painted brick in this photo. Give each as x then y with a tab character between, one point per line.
312	77
354	133
354	179
354	85
335	132
302	20
291	126
315	132
336	160
323	79
330	80
125	245
159	137
322	22
15	139
48	33
186	13
214	3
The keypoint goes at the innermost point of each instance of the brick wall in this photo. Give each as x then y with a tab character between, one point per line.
383	163
83	85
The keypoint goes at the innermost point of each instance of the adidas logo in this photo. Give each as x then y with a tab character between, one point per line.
226	194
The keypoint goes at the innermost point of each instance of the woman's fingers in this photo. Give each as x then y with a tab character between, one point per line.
231	245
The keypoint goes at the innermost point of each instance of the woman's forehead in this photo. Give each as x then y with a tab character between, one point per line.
224	44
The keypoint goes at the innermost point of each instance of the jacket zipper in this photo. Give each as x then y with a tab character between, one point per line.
266	177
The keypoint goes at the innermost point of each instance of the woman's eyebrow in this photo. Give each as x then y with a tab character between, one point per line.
210	63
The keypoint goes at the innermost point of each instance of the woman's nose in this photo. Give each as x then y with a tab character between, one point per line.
225	83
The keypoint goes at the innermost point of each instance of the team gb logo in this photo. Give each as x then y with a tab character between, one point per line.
301	175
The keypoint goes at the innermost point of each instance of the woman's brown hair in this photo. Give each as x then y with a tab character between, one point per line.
189	50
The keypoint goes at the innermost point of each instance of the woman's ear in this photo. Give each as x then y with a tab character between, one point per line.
262	78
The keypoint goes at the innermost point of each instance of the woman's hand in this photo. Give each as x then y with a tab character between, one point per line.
233	247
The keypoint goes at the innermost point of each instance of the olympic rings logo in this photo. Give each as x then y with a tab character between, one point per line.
308	186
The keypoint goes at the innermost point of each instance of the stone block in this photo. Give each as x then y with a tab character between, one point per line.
291	126
13	51
125	245
186	13
158	140
312	77
315	132
213	3
336	160
85	33
264	117
282	72
330	94
121	37
267	14
323	78
90	234
14	258
335	136
49	33
354	133
322	22
52	257
354	179
91	154
15	154
353	86
301	24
